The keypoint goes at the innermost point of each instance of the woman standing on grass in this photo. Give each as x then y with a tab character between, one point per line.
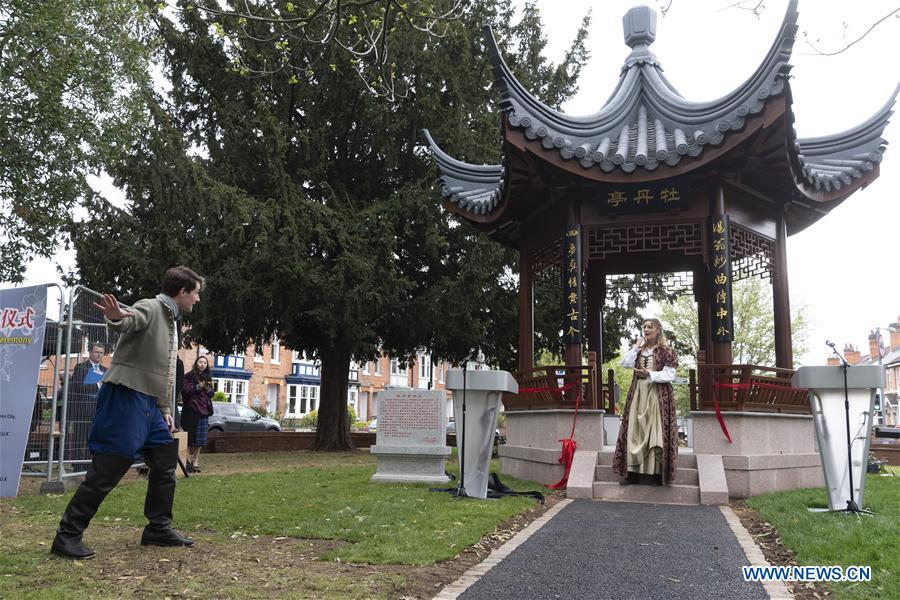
648	436
196	393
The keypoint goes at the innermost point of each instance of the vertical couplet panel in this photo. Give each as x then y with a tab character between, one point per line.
573	303
721	321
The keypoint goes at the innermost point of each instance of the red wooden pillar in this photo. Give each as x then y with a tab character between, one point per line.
526	307
784	356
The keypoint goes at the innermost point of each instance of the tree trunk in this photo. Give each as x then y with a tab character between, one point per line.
333	429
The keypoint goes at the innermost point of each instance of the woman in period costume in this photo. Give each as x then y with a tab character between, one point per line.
647	447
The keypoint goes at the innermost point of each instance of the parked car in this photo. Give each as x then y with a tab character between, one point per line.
372	426
237	417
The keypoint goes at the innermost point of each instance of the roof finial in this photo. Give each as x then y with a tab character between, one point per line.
639	24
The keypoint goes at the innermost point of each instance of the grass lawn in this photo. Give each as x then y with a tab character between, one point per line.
837	539
266	525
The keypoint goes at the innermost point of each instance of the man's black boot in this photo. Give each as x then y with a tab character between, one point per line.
102	476
162	461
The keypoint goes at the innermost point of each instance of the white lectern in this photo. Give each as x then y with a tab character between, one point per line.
843	425
481	392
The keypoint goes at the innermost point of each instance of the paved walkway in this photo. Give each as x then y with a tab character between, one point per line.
585	549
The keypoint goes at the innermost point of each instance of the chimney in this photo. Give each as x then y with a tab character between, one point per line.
833	361
851	354
873	345
895	335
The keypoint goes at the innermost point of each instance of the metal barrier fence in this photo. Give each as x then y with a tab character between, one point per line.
66	395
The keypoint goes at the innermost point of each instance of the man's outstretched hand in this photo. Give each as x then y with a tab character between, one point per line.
110	308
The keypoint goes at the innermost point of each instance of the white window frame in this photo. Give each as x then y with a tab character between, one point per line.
425	370
378	366
235	389
365	369
275	351
353	399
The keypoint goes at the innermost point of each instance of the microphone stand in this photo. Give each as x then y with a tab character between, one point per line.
851	503
461	489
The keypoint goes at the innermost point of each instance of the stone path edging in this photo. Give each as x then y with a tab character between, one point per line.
777	590
453	590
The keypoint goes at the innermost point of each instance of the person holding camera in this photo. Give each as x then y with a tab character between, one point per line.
196	393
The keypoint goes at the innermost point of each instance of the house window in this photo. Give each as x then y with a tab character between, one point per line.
309	398
395	367
378	366
232	361
258	353
425	370
353	400
235	389
441	369
398	376
290	410
276	351
366	370
301	400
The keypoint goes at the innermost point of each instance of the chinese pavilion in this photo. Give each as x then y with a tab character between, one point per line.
656	183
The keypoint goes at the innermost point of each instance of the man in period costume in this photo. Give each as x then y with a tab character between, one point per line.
134	414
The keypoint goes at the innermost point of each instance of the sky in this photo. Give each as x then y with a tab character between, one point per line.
843	267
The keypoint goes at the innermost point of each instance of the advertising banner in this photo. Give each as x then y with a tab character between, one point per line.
23	314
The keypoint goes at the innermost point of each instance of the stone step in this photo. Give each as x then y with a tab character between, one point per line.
654	494
683	475
686	460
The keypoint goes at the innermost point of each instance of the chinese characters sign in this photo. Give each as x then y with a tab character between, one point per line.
23	313
720	270
571	284
644	198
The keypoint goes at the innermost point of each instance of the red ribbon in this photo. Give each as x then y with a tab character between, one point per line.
568	444
719	413
741	386
556	391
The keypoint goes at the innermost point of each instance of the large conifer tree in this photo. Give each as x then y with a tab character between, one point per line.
308	202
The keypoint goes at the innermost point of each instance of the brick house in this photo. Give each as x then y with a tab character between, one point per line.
287	384
887	356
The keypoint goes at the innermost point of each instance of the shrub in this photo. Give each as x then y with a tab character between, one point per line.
351	413
220	396
310	419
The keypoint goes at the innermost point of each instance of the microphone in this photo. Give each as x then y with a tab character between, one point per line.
830	344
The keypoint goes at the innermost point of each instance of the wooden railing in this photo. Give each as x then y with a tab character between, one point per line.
554	386
750	388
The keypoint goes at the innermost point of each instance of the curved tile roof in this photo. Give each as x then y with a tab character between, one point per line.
474	188
832	162
646	122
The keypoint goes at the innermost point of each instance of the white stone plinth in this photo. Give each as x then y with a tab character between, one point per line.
410	445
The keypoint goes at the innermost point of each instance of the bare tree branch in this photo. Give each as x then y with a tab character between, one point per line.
848	45
359	27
